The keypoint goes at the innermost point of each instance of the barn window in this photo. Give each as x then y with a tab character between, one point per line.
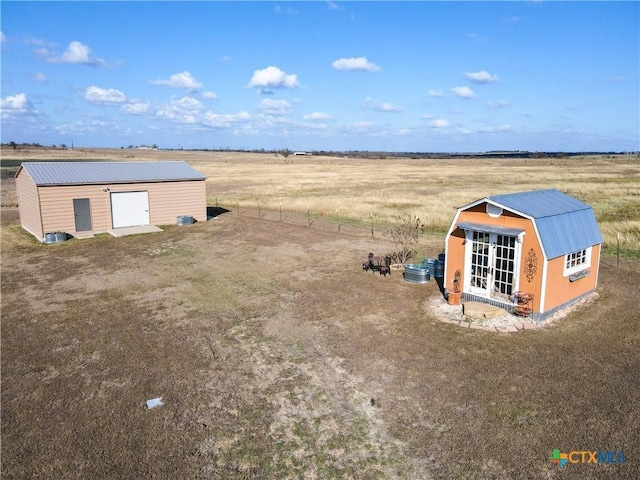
576	261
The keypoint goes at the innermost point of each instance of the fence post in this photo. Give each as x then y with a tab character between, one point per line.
259	214
372	224
238	206
618	250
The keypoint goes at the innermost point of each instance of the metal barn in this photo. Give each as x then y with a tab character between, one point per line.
84	198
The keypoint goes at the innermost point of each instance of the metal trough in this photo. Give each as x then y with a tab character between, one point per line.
184	220
414	273
55	237
438	268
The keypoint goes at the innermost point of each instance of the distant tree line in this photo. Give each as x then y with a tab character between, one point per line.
364	154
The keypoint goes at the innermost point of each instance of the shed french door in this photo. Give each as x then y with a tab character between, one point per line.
492	265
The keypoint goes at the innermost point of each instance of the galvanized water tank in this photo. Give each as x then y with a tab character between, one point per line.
429	263
184	220
55	237
438	268
416	273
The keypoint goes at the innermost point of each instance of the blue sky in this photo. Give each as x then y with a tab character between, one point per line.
391	76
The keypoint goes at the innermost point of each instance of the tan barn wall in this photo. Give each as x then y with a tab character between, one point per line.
178	198
29	205
167	200
477	214
560	290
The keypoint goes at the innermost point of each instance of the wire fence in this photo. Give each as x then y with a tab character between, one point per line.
369	227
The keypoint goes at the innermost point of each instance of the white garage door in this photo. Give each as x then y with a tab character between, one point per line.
129	209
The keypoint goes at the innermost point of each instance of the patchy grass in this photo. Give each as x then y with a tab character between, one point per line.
277	357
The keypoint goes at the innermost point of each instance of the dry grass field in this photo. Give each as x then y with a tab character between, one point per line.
354	189
277	357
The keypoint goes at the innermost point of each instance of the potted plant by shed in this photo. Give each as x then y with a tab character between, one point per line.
455	295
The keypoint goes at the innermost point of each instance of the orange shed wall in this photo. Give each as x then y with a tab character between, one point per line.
28	204
456	249
454	258
560	289
167	200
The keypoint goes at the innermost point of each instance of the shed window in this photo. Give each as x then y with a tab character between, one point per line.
577	261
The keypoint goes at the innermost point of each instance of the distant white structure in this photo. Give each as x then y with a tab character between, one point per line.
301	153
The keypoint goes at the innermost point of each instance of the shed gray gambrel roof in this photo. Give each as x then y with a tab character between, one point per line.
84	173
564	223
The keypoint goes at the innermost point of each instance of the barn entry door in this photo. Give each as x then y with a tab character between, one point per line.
493	263
82	213
129	209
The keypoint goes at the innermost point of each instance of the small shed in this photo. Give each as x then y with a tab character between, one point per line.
84	198
540	248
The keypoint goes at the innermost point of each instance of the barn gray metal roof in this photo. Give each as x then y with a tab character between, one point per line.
565	224
81	173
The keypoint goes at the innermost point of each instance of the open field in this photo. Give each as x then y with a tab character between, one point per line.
277	357
353	189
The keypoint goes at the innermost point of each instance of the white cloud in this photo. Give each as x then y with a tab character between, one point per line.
183	110
76	52
463	92
213	119
435	93
333	5
136	108
438	123
187	103
364	124
17	103
381	106
179	80
272	77
501	128
317	116
209	95
2	37
275	107
104	96
359	64
481	77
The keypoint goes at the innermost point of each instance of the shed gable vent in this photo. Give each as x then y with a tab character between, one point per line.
493	211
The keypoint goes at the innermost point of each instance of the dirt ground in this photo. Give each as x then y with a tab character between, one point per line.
277	357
